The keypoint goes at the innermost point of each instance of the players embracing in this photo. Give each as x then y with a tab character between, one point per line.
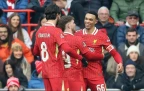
97	41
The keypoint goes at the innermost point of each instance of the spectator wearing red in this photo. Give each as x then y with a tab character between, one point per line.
18	32
13	84
9	70
13	4
6	41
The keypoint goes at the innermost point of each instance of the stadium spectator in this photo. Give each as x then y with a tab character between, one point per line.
120	8
13	84
132	20
38	6
19	60
13	4
93	5
103	15
131	79
133	53
6	40
1	13
18	32
10	71
131	39
74	9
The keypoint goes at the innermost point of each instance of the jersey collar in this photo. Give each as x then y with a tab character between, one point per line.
49	24
93	33
68	33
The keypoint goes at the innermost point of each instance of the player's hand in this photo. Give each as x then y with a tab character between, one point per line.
84	62
120	67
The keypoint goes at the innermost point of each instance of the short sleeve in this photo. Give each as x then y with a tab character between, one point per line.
107	43
59	36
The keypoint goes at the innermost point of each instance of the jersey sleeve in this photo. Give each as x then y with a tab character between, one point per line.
82	45
107	43
58	34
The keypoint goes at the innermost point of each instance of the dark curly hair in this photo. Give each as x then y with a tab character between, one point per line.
51	11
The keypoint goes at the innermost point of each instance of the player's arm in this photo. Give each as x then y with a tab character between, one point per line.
35	50
67	49
110	48
86	52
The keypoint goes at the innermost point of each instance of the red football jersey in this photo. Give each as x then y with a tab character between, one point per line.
73	67
48	39
96	42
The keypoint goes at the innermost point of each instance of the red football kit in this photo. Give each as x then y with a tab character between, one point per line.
48	41
73	67
93	74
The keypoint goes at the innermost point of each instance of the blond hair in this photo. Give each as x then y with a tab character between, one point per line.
16	46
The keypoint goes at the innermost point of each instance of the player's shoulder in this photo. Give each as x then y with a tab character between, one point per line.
79	32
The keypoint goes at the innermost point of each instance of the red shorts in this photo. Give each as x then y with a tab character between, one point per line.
95	85
54	84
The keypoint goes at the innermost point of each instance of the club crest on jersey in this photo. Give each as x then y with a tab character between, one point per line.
94	42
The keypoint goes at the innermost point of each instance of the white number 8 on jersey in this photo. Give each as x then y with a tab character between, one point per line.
44	52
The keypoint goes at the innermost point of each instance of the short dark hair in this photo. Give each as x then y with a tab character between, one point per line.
63	21
93	13
51	11
131	30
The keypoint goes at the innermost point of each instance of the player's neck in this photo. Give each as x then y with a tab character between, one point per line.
68	31
90	31
51	22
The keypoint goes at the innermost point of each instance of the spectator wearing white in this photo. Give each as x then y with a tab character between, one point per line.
133	53
132	21
131	39
18	32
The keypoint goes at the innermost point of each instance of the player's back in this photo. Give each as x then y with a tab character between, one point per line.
48	42
73	67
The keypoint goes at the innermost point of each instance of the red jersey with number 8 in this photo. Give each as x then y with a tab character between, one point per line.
48	39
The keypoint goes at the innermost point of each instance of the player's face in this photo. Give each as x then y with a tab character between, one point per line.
132	20
3	33
43	21
133	56
13	88
130	70
131	37
18	54
90	21
15	21
103	15
9	70
72	25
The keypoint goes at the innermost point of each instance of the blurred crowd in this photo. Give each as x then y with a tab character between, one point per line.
122	20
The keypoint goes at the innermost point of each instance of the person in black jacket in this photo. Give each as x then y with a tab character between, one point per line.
74	9
10	70
1	13
131	79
